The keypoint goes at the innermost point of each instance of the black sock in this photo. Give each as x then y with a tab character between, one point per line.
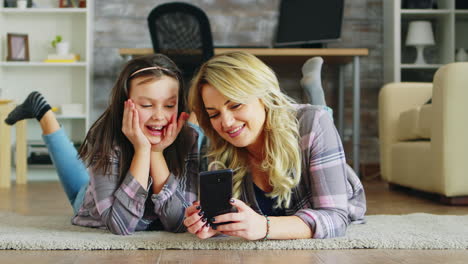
34	106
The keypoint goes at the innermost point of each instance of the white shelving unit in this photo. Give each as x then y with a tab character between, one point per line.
61	83
450	27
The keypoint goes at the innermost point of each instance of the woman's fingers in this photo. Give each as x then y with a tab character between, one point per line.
229	217
192	209
231	227
197	226
240	205
206	232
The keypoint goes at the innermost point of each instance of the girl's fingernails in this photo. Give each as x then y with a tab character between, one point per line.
214	227
198	207
212	219
201	213
204	220
232	200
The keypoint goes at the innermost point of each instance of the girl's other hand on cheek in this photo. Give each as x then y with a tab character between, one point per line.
170	132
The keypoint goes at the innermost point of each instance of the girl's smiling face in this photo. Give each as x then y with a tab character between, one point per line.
156	100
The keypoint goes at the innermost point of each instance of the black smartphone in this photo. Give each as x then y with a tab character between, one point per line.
215	191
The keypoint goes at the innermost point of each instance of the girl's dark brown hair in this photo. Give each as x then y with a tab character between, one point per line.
105	138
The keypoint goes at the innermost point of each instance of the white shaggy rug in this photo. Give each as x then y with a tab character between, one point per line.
413	231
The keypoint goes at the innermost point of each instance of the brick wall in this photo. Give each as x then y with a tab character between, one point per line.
122	24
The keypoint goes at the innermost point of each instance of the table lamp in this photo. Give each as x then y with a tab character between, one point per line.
420	35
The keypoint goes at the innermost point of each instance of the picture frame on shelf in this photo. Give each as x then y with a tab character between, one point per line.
18	47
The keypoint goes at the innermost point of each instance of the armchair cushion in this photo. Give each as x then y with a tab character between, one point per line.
415	123
425	121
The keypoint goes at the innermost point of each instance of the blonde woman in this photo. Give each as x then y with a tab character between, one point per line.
291	179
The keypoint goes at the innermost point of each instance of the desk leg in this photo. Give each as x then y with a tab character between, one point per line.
21	153
356	114
5	148
341	101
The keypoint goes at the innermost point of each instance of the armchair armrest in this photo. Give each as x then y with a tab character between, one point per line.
449	140
395	98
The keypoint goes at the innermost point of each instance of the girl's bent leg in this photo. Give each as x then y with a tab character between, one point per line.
70	168
49	123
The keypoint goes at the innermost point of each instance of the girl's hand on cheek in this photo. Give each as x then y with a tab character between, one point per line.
170	132
131	127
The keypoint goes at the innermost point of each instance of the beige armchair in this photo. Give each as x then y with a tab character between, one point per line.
425	146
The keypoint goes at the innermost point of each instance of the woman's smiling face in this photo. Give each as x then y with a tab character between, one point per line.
240	124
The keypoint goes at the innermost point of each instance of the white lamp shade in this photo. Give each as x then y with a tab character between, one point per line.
420	33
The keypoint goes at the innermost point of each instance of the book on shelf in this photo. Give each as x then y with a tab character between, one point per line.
51	58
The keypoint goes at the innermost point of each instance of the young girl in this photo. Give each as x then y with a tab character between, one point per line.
139	152
291	179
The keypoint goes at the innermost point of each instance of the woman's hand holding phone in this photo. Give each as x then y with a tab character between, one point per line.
196	222
245	223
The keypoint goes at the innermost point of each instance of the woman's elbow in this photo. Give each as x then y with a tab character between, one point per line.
116	230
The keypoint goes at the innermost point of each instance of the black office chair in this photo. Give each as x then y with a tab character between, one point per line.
183	33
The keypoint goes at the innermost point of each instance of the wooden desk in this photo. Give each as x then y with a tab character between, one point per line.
299	56
5	148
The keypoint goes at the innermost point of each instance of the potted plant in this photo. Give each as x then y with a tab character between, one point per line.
62	47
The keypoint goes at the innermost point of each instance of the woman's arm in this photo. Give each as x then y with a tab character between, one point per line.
325	181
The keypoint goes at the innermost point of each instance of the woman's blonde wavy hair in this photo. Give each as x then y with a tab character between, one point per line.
239	76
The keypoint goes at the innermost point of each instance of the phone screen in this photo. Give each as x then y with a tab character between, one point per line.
215	192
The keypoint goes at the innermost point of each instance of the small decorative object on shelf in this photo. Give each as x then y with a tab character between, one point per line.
18	47
72	3
9	3
461	55
65	3
22	4
56	58
420	35
62	54
18	3
62	47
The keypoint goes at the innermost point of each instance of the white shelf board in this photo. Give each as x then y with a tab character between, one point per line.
421	66
77	116
461	13
425	11
42	10
41	64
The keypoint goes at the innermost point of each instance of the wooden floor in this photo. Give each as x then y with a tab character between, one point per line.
47	198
